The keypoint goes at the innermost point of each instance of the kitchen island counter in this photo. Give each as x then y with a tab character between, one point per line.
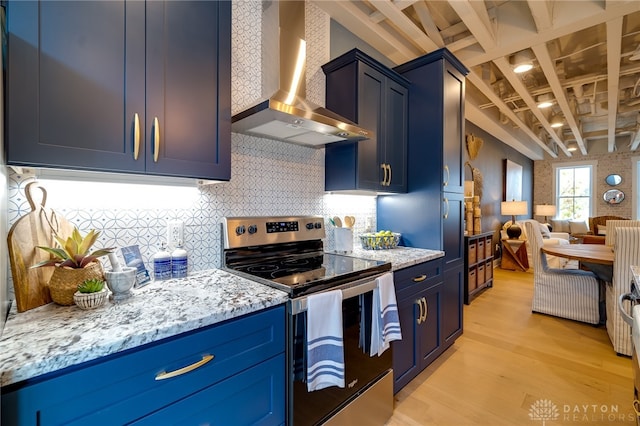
53	337
400	257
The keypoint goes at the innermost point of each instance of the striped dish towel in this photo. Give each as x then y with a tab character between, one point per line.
325	353
385	322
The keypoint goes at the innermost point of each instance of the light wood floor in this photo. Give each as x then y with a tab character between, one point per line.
509	360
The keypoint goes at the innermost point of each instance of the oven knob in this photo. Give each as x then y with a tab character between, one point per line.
309	226
240	230
253	229
318	225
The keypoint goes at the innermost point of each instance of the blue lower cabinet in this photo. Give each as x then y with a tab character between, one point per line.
214	369
253	397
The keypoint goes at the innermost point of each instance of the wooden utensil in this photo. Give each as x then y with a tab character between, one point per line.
337	221
36	228
349	221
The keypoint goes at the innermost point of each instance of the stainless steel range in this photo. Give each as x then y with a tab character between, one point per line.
288	253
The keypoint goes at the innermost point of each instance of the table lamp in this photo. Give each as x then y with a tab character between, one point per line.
545	210
513	209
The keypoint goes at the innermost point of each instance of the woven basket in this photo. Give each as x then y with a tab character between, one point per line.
90	300
64	281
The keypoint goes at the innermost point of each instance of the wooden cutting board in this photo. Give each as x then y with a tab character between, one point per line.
36	228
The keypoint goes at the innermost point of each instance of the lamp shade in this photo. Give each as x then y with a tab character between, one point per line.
513	208
545	210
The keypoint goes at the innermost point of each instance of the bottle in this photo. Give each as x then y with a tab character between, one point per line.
162	264
179	262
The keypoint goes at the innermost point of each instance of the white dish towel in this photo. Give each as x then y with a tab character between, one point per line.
385	322
325	352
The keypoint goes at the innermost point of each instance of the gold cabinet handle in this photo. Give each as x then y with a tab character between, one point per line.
446	181
156	139
419	278
446	203
163	375
636	405
419	303
426	309
136	136
389	180
384	177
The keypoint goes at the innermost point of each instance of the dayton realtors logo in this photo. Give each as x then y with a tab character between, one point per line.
544	410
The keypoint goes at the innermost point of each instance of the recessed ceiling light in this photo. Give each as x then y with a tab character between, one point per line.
556	121
572	146
545	101
522	61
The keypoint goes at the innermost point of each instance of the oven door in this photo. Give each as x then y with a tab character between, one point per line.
363	373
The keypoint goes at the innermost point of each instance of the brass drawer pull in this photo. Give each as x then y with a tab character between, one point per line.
156	139
180	371
136	136
419	303
419	278
636	404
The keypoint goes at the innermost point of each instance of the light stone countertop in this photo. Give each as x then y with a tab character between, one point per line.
53	337
400	257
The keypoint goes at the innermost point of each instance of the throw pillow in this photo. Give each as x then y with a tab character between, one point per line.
560	225
602	229
544	230
578	227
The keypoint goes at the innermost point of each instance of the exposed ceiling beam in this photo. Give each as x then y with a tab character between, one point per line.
614	48
475	17
428	24
477	81
541	12
518	86
489	125
358	22
378	17
405	25
548	67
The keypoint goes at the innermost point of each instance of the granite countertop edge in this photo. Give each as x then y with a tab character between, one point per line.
53	337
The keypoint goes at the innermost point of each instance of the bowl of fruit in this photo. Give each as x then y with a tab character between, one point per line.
381	240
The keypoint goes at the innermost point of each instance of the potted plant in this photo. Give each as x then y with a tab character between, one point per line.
74	263
90	294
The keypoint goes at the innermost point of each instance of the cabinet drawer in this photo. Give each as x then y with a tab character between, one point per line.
472	252
488	270
480	276
480	249
123	387
488	249
255	396
409	280
473	279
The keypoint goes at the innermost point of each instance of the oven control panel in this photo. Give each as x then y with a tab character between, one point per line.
254	231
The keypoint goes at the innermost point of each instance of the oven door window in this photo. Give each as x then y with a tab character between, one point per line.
361	370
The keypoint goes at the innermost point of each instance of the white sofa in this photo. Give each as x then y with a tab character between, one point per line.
548	239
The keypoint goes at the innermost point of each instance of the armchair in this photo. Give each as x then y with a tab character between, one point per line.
551	238
627	253
596	222
567	293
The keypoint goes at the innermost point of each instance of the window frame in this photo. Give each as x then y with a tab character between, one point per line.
571	165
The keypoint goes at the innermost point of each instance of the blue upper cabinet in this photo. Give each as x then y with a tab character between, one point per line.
375	97
118	86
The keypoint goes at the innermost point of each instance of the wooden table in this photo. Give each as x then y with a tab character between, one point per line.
596	257
514	255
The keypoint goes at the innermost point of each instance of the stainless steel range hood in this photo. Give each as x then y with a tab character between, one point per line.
286	115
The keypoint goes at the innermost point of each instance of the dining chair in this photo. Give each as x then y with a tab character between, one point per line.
610	237
567	293
626	253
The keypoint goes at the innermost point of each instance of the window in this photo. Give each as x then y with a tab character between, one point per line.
574	190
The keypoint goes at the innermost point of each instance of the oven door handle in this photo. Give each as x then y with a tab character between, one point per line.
623	312
349	290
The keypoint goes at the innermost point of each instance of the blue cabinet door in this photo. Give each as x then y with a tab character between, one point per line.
75	80
188	89
88	81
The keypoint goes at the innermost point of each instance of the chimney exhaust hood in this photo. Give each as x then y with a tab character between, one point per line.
286	115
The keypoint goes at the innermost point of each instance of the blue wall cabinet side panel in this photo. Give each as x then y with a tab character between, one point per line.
252	397
453	228
188	86
126	382
376	98
452	299
453	125
419	309
79	73
74	83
